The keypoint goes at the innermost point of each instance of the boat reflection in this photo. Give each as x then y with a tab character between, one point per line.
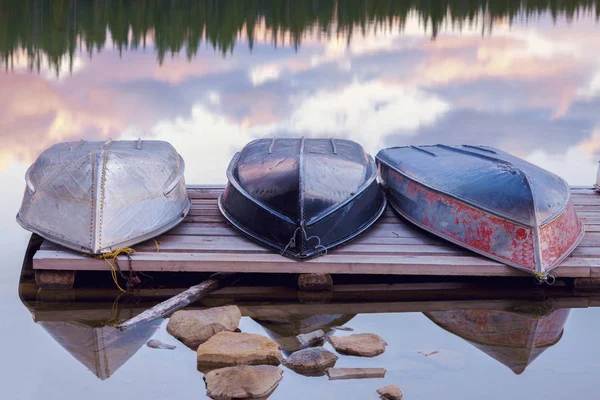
293	332
87	329
514	338
514	325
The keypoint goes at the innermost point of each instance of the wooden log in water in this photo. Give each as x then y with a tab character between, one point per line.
188	296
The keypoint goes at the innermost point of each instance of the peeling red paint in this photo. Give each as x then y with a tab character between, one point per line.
557	236
485	221
471	226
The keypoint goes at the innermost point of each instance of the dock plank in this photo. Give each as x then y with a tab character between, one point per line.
205	242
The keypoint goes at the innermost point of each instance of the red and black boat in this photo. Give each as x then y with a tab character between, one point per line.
485	200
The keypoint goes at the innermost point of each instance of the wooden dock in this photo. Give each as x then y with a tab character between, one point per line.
205	242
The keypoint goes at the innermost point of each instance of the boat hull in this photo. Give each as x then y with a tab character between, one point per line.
96	197
536	249
300	237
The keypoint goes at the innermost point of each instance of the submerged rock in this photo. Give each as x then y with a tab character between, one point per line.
361	344
311	338
311	360
229	348
316	282
157	344
242	382
194	327
355	373
342	328
390	392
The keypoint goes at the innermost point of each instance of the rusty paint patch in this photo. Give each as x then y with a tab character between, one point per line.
464	224
558	236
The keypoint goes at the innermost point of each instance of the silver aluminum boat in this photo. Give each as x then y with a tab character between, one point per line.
96	197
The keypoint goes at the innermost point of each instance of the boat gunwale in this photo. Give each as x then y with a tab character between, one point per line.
138	239
550	267
308	255
493	345
323	214
541	225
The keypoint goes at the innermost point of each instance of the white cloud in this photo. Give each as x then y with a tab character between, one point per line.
214	97
592	89
264	73
366	112
205	141
576	166
21	61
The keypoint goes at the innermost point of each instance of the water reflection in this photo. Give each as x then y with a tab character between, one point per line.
513	326
362	70
513	338
289	330
38	28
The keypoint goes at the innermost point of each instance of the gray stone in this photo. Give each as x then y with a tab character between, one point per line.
310	338
242	382
316	282
355	373
311	360
229	348
194	327
157	344
390	392
361	344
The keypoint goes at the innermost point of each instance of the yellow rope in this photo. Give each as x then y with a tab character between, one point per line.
111	259
115	311
539	275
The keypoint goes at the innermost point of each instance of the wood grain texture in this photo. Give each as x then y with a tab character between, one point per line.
204	241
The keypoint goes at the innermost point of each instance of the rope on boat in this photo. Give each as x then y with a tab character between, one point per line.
292	241
111	259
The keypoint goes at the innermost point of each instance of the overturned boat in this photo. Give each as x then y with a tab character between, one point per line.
96	197
302	197
514	338
485	200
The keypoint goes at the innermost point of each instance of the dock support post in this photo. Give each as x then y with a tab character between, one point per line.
586	284
315	282
50	279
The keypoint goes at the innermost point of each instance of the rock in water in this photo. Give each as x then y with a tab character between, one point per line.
242	382
157	344
309	339
194	327
390	392
361	344
228	348
311	360
355	373
316	282
342	328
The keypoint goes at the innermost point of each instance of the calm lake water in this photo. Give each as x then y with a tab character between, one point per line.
210	76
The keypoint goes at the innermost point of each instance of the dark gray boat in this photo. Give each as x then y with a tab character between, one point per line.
302	197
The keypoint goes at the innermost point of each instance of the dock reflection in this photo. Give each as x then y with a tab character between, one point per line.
513	326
